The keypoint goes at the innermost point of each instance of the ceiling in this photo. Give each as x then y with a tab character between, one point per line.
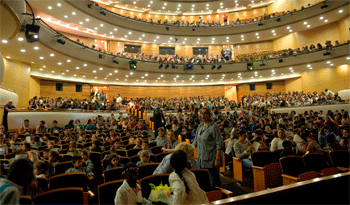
183	6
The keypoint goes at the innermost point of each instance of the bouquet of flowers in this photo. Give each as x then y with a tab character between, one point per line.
160	193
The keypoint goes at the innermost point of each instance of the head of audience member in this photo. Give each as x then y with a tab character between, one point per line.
54	123
138	142
171	135
187	148
33	156
130	173
145	156
42	123
53	156
179	162
71	147
21	172
144	134
161	132
25	146
145	145
116	143
77	161
46	153
242	135
287	145
26	123
205	113
281	133
85	155
114	160
40	167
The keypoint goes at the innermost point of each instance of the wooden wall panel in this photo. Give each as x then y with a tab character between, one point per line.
48	89
260	89
290	5
166	92
253	47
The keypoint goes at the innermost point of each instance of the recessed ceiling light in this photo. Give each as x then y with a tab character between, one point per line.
308	26
8	57
273	31
185	39
41	57
23	50
348	58
291	30
83	76
59	63
326	20
96	28
67	71
101	25
58	4
36	48
258	37
321	17
49	7
332	64
52	55
77	68
130	33
75	75
44	66
62	73
81	23
40	69
52	71
95	77
4	41
73	13
328	62
274	34
116	71
20	39
256	34
87	19
101	68
65	16
125	36
340	11
288	27
32	62
305	23
127	76
146	74
94	71
310	68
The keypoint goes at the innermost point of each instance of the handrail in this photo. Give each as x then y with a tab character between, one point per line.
256	22
175	63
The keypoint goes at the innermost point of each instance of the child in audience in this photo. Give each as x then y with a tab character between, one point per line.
131	140
37	142
114	161
86	161
18	179
138	143
40	169
288	149
46	153
145	146
72	149
144	158
183	182
116	145
96	146
53	160
130	191
77	162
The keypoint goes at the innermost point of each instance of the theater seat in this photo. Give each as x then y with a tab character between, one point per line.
315	162
160	156
25	200
43	184
77	179
237	164
133	152
329	171
61	196
113	174
62	167
213	193
147	169
157	149
340	159
267	173
107	191
292	167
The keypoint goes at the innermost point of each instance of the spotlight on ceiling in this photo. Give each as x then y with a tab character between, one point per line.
262	64
175	39
173	66
278	19
115	61
166	66
213	67
61	40
132	64
101	56
260	24
202	67
324	6
102	12
167	28
32	33
327	53
160	66
280	60
90	5
219	67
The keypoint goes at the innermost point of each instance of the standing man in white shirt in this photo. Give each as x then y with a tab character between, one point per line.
119	99
329	93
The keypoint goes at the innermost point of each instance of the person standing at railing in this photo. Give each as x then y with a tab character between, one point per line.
7	108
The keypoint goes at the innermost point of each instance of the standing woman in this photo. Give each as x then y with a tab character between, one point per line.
158	119
209	145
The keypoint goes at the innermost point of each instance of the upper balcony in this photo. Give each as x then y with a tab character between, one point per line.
117	27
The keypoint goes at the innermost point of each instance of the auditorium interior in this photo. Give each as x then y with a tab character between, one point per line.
99	81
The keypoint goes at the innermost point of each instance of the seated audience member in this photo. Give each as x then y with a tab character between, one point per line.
231	141
144	158
145	146
141	126
78	127
344	140
130	191
183	182
114	161
26	129
332	143
37	142
26	147
314	147
86	161
116	145
18	179
161	138
165	167
132	140
288	149
276	143
243	149
96	146
50	145
3	145
90	126
77	162
138	142
46	154
301	146
42	128
53	160
72	149
55	128
171	143
40	169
